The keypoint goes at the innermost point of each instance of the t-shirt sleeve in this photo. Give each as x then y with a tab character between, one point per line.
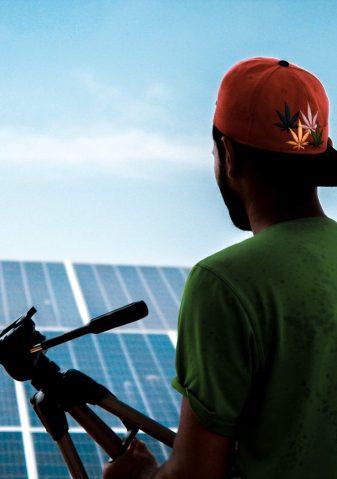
216	351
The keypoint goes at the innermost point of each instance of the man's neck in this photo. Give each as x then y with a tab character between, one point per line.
270	212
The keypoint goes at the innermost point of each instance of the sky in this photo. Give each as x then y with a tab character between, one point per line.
106	115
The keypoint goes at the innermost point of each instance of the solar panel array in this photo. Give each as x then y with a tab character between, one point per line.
135	362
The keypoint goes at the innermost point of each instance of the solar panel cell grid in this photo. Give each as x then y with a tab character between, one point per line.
39	294
162	295
90	289
3	299
176	278
112	286
90	361
164	352
12	461
152	380
48	458
67	311
123	384
9	415
137	291
17	301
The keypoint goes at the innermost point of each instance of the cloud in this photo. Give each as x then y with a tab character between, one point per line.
130	135
131	104
127	152
95	87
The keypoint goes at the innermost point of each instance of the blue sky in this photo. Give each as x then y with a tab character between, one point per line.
106	112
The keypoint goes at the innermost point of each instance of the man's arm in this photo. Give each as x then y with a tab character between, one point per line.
197	453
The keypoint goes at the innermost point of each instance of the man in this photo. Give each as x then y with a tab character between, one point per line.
257	339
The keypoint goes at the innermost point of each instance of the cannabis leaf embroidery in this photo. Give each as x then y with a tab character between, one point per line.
299	140
316	137
287	121
309	121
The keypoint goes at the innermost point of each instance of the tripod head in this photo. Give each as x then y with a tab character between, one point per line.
21	345
15	343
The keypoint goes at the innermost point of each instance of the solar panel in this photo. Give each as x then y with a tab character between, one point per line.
12	460
136	362
9	414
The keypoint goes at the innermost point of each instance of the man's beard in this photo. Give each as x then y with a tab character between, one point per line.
236	208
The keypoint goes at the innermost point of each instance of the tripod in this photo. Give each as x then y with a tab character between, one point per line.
21	355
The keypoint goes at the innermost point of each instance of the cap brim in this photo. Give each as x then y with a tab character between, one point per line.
314	169
325	169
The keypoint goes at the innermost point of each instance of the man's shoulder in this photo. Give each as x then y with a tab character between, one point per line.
272	250
230	257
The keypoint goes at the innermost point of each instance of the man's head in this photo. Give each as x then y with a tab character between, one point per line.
271	131
225	169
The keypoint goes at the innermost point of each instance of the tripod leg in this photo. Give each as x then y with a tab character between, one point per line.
71	457
54	420
138	420
98	430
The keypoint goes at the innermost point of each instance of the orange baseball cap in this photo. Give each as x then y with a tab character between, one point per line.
274	105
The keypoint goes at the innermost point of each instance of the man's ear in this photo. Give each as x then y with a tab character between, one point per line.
229	156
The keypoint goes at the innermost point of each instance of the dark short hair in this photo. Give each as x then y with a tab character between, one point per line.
273	167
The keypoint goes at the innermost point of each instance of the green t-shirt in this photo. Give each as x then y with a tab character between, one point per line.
257	349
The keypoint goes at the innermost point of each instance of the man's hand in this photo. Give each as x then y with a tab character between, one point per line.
197	453
136	463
